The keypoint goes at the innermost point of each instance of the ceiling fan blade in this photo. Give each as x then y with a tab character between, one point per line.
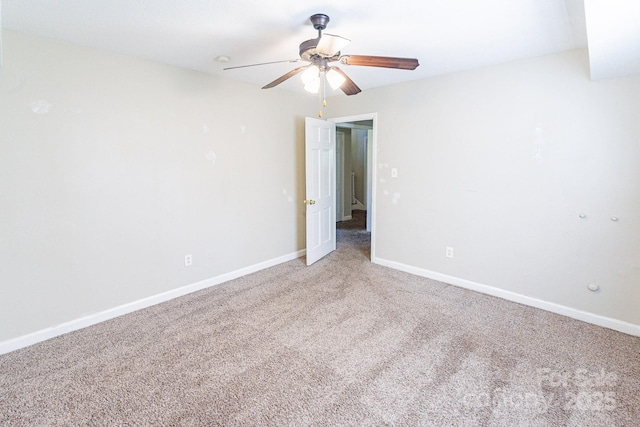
284	77
348	87
330	44
380	61
262	63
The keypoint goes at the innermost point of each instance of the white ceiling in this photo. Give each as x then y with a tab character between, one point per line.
614	37
445	35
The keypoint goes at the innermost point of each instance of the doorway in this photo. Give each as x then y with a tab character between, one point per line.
355	189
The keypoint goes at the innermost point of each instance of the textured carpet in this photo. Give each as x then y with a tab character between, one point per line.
343	342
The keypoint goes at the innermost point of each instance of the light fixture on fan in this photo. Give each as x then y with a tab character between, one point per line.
311	79
313	75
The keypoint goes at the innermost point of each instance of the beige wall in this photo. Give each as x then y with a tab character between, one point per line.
499	163
346	173
359	162
112	169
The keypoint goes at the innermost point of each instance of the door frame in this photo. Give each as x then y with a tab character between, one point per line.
372	161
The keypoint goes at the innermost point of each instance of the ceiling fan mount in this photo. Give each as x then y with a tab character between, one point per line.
319	21
325	49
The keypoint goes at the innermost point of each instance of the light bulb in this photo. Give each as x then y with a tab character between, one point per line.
335	79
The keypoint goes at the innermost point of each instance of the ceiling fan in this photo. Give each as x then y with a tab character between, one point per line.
322	52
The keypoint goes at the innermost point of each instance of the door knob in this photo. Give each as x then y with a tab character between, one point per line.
310	202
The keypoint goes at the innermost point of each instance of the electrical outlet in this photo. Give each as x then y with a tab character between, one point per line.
449	253
188	260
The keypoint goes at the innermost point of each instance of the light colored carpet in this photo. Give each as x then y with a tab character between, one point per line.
343	342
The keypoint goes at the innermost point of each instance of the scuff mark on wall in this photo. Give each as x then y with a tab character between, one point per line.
40	106
538	142
289	198
211	156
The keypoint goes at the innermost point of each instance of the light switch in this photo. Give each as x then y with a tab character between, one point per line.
394	172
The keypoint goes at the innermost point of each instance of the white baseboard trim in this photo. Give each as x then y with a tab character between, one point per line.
585	316
92	319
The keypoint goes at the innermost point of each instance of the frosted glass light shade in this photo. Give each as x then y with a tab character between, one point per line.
311	79
311	73
313	86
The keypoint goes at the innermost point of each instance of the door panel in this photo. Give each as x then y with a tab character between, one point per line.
320	138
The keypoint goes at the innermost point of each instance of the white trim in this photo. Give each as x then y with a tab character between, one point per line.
585	316
92	319
374	169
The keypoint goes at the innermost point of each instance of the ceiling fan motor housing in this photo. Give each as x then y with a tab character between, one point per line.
308	49
308	52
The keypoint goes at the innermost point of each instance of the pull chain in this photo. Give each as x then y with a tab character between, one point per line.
322	95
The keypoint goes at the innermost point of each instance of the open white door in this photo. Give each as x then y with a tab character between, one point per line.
320	142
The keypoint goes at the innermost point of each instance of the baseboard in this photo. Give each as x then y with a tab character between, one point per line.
92	319
585	316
